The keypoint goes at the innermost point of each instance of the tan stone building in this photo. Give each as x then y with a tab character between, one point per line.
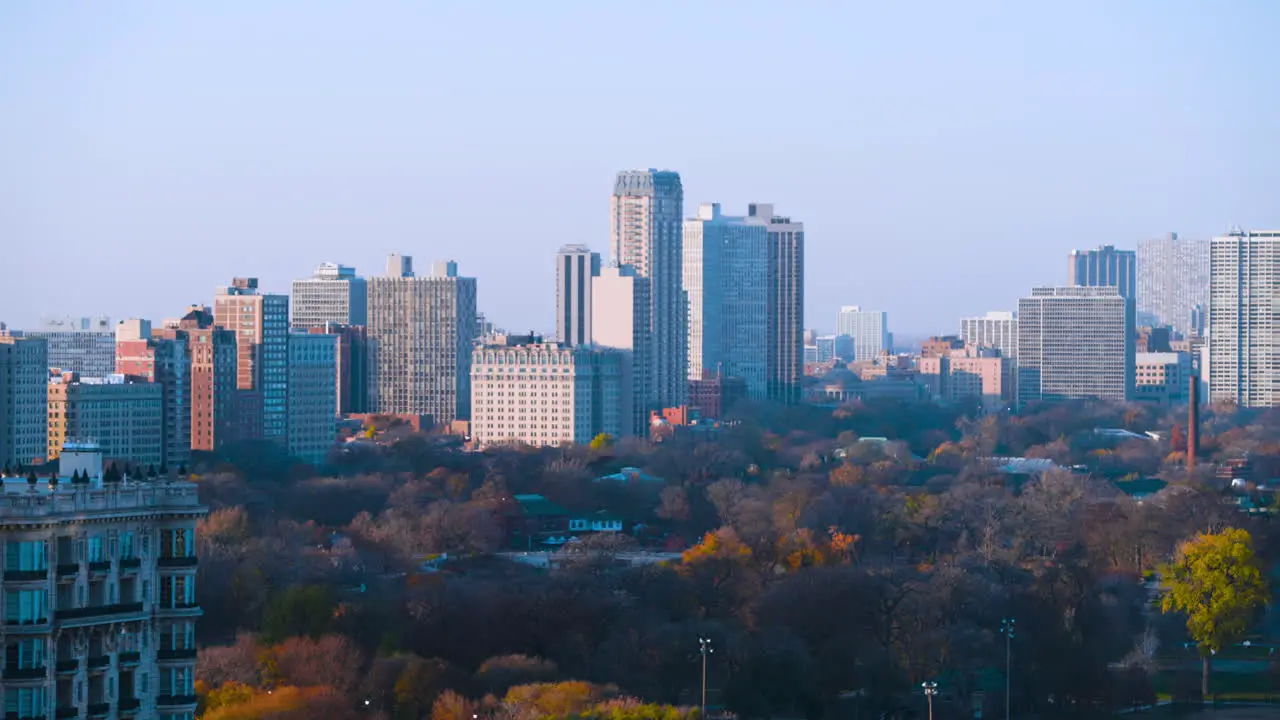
99	595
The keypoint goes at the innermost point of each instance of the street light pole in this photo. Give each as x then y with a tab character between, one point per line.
705	649
1007	627
930	689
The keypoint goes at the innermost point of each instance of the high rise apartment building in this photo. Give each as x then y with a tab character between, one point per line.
726	262
333	295
1075	343
24	400
99	595
869	330
548	393
576	267
620	307
260	322
1244	317
648	214
124	417
357	364
213	357
165	361
785	300
1104	267
996	329
81	345
1173	281
313	395
424	329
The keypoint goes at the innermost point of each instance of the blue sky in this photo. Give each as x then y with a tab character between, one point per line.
944	156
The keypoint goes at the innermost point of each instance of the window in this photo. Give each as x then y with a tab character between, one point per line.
25	607
126	546
25	702
25	555
25	654
178	591
95	549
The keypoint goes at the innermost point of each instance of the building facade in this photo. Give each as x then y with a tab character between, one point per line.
576	266
213	356
86	346
124	417
646	233
548	394
726	264
712	397
1104	267
313	395
424	329
997	329
24	400
165	361
1075	343
99	598
620	320
333	295
1161	377
260	322
869	330
1173	282
785	352
357	365
970	373
1244	315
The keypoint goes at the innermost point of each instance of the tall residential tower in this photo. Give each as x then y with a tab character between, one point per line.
1173	281
260	322
648	214
1244	315
333	295
726	264
785	352
424	329
1104	267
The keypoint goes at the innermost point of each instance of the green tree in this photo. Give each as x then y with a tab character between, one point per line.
1217	581
299	610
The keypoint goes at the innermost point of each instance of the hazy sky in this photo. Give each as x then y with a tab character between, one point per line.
944	156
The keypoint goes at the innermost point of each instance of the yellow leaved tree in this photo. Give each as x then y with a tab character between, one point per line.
1215	579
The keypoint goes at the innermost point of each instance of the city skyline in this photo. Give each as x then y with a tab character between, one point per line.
293	154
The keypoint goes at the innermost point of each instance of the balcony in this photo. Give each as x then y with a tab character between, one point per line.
20	626
63	713
97	611
180	609
130	658
67	667
68	570
179	654
100	566
16	716
99	709
100	662
26	575
129	706
177	562
169	701
132	563
36	673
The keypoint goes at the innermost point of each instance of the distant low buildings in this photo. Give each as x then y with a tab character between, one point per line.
1161	377
997	330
